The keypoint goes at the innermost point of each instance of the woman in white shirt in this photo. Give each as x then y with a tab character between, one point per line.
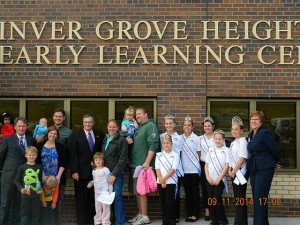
237	170
190	157
206	142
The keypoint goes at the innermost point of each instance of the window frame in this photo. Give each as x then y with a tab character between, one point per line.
252	107
67	104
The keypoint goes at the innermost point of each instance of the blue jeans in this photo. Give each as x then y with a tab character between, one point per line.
118	202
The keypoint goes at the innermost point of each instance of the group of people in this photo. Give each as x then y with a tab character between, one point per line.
33	174
34	169
190	160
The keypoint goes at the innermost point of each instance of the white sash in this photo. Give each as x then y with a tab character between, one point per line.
168	166
165	163
179	170
205	149
218	167
239	179
191	156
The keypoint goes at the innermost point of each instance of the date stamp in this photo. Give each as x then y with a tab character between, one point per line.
245	201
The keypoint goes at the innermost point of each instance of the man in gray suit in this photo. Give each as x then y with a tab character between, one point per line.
12	153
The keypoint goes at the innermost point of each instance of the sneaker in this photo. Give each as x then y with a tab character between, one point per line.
142	220
134	218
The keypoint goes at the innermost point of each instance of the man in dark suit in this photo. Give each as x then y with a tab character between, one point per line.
12	153
83	145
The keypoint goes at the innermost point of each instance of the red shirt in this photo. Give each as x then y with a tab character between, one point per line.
7	129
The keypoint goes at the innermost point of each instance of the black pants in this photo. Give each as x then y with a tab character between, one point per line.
216	208
30	210
167	199
10	210
48	215
204	186
85	202
192	198
261	184
60	202
177	201
241	215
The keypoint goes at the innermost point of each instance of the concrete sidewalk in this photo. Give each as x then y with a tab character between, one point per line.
272	221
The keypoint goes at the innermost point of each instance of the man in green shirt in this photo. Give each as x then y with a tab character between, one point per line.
145	145
59	116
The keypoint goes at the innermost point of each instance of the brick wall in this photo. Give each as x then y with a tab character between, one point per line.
180	89
173	85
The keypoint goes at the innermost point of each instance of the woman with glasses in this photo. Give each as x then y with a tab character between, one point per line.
264	156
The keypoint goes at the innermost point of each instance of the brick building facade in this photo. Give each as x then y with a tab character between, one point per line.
251	53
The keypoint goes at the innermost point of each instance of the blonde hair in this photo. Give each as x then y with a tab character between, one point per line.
259	114
129	110
51	182
99	155
31	149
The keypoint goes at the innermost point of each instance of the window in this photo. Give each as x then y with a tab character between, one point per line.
223	111
102	109
36	109
11	107
281	120
99	110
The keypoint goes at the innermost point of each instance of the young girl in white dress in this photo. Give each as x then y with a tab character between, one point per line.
100	183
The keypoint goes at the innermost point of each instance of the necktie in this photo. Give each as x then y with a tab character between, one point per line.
21	143
91	141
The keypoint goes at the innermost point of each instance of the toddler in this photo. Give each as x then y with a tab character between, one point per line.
129	123
100	182
7	128
40	130
49	200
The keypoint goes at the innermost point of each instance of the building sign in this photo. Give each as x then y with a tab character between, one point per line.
148	42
